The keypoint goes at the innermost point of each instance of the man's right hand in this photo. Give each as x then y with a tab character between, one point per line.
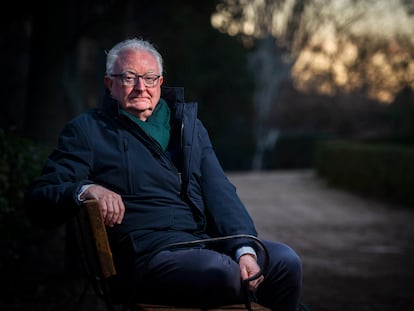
109	202
248	268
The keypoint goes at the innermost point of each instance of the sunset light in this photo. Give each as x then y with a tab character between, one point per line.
348	45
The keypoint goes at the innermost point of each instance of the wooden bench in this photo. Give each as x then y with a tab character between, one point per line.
99	264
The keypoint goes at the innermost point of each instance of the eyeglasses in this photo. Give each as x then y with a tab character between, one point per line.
130	78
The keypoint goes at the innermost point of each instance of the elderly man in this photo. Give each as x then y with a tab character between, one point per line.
148	161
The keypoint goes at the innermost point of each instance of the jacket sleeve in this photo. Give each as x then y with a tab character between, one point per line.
51	199
226	212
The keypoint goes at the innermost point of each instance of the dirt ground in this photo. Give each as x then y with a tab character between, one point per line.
357	253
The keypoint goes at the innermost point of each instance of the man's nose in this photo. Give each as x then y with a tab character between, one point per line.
140	84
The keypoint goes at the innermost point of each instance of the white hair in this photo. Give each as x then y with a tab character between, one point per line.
131	44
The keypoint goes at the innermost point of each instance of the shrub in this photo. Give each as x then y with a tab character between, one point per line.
380	170
20	162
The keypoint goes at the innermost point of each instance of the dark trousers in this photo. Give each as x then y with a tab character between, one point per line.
203	276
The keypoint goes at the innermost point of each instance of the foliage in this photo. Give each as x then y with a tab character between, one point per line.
20	162
383	171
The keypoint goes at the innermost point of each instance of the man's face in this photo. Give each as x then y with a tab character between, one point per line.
139	100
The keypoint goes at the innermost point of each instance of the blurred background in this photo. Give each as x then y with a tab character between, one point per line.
281	85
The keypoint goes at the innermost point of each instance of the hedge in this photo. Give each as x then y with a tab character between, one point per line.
384	171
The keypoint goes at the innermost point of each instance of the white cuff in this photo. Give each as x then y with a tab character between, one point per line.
82	190
245	250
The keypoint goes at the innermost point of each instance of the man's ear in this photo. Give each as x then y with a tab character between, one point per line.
108	83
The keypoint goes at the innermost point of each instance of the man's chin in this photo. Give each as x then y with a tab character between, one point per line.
139	107
140	113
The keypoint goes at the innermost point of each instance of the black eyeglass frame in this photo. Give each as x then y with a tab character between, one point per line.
152	77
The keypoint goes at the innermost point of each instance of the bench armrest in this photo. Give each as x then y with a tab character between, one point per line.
100	237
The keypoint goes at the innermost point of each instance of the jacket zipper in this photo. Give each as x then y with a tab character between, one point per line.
128	177
161	153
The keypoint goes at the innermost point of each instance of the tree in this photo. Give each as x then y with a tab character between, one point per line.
337	45
357	53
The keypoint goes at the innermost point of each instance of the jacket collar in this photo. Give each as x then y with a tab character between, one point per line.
172	94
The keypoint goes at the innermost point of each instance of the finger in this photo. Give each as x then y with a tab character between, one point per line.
121	212
110	214
255	283
107	210
104	209
244	274
118	211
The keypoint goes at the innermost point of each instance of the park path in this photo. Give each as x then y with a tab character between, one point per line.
357	253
